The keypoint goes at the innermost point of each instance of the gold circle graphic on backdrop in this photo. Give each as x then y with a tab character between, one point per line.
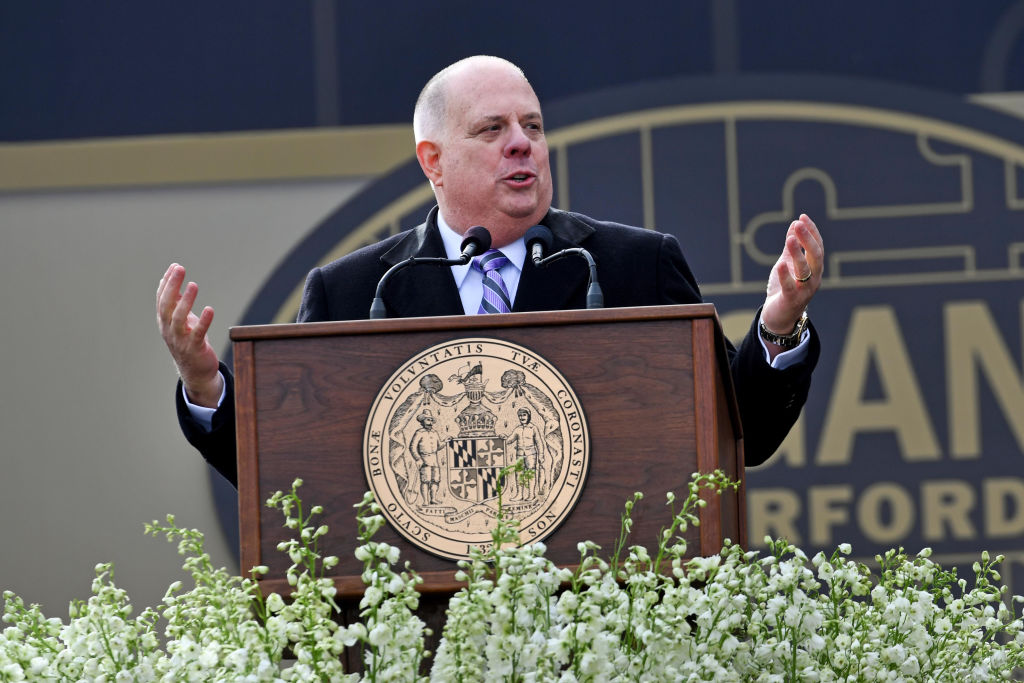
446	424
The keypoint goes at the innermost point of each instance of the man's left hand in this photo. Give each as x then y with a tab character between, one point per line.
794	279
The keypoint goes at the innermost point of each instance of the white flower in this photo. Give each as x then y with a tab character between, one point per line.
13	672
275	603
350	635
732	616
37	665
379	635
910	666
210	656
372	596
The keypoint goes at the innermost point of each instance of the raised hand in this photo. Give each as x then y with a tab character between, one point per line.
795	277
185	335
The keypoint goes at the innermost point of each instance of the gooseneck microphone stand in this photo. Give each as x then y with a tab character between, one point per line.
539	239
476	241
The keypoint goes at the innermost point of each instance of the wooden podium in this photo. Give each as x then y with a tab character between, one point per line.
653	382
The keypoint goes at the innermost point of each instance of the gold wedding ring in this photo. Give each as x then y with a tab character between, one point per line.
805	278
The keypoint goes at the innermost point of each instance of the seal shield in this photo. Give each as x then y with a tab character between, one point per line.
450	421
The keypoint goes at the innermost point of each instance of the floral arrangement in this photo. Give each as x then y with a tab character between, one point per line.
736	616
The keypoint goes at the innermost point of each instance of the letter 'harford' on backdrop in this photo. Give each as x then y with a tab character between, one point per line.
445	425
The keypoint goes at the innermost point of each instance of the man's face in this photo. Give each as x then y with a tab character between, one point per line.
493	155
524	418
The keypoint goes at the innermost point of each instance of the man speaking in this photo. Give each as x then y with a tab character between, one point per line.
481	143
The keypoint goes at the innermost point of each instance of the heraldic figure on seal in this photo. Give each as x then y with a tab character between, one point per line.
435	448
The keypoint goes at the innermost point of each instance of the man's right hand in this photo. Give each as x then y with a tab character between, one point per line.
185	336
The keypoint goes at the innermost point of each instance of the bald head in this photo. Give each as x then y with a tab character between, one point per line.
431	111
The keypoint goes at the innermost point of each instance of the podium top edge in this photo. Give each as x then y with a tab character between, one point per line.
472	322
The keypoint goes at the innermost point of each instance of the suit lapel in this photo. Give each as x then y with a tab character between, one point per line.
421	290
555	285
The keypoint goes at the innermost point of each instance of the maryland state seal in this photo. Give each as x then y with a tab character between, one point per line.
446	425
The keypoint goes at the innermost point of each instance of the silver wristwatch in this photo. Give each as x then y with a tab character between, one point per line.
786	341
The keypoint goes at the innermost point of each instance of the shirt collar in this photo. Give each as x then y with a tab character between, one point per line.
515	252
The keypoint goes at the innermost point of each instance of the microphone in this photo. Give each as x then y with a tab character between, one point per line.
538	240
477	240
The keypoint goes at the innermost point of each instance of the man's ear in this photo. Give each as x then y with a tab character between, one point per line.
429	156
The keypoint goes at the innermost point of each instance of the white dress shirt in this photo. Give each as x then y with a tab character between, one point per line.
469	280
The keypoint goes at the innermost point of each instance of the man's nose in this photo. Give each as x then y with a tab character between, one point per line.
518	143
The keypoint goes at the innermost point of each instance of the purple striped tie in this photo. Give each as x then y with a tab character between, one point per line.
495	298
